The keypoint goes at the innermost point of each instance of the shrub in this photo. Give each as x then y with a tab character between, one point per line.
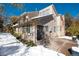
78	36
27	42
17	35
68	33
30	43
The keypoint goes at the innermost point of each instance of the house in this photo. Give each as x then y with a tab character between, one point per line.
35	25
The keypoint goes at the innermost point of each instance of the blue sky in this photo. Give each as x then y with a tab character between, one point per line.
61	8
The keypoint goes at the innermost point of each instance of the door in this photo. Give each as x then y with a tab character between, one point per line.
40	32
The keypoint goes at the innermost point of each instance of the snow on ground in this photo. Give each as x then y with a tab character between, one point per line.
66	37
75	49
6	38
77	42
10	46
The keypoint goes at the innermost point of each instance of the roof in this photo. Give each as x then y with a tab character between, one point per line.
43	19
35	16
40	16
30	14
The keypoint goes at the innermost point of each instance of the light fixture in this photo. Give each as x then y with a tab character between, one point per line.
27	17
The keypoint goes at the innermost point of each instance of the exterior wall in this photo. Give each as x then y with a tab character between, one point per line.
50	26
19	30
16	29
59	23
22	29
23	18
53	29
50	31
62	25
31	35
21	21
56	26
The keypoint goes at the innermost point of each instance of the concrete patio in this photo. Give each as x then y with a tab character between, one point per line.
61	45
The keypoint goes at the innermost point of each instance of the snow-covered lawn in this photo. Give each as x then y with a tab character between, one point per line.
75	49
10	46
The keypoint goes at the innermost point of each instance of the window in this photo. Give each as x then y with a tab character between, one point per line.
24	29
28	29
54	29
46	28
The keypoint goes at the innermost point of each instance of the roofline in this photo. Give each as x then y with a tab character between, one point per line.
27	13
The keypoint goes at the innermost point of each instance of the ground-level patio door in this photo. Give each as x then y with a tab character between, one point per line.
40	32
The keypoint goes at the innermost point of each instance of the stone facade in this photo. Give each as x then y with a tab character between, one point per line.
47	20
